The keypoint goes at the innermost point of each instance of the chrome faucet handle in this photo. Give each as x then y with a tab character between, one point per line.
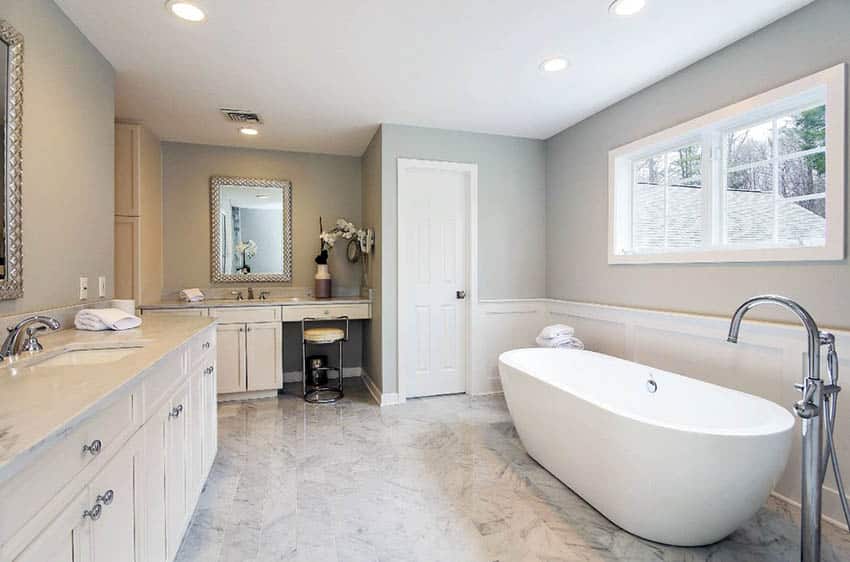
264	295
237	294
31	343
11	344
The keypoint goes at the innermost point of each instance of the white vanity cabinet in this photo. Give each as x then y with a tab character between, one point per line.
250	349
132	500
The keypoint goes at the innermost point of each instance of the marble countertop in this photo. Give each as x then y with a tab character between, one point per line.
271	301
39	402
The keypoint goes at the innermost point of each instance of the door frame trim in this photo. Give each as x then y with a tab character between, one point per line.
403	165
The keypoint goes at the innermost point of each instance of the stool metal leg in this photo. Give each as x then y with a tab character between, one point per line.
303	364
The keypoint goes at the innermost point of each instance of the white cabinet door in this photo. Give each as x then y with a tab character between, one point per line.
264	364
113	533
153	529
66	539
195	418
210	418
176	500
230	358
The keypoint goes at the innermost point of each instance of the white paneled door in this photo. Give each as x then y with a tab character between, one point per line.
433	235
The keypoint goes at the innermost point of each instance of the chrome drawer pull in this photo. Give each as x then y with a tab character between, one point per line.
206	345
106	498
94	512
175	412
93	448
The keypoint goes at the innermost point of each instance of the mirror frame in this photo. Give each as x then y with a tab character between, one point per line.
216	184
12	285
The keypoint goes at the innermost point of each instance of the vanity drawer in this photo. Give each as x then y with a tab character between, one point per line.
161	378
353	311
26	493
245	315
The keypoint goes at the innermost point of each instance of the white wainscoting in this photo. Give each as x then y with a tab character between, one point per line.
767	362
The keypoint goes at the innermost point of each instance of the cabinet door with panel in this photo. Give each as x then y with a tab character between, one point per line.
264	356
154	506
127	244
195	419
113	489
210	417
176	498
230	358
127	169
65	539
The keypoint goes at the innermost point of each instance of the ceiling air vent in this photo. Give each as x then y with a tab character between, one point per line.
241	116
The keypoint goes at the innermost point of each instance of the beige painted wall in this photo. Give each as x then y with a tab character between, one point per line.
68	158
806	41
321	185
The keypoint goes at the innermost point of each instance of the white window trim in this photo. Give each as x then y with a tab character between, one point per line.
619	177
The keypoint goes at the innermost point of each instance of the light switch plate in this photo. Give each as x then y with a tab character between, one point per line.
101	286
84	288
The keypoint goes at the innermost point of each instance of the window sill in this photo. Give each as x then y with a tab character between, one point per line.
834	252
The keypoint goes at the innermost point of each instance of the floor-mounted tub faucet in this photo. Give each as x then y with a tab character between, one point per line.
817	399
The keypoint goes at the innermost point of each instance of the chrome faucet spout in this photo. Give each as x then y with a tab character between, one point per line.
11	343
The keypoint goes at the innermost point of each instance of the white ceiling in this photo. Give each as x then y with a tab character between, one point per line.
324	73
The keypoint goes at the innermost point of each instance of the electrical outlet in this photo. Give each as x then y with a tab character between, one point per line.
84	288
101	286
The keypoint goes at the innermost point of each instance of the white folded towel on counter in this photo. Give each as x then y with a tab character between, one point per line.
97	319
192	295
556	330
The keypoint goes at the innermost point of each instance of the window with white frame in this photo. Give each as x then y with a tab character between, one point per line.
761	180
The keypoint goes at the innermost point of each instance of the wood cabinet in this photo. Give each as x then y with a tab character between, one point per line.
134	500
138	213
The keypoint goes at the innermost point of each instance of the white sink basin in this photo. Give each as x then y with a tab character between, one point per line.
78	357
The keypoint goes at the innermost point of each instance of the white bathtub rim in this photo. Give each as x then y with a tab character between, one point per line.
772	428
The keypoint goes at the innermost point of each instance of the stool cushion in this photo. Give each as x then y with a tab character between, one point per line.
324	335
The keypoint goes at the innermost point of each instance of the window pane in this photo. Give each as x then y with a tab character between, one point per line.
802	223
648	217
750	144
803	176
804	130
650	170
685	165
759	179
749	216
684	217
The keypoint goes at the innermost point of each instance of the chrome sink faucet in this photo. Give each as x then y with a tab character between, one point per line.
33	325
237	295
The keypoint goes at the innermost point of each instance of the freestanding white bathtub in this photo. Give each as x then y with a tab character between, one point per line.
684	465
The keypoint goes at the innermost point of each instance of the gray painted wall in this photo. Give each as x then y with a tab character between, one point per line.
804	42
68	159
511	216
321	185
371	185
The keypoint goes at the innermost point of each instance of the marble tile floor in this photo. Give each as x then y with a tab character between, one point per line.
437	479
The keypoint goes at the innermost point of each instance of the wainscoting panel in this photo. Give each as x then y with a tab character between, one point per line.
768	360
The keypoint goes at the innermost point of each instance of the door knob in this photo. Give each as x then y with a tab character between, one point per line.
461	294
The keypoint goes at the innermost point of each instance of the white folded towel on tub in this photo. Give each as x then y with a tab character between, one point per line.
97	319
555	331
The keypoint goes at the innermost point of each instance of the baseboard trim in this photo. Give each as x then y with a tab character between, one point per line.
381	399
831	520
254	395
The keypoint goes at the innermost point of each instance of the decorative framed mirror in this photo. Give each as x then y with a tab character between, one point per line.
12	95
251	230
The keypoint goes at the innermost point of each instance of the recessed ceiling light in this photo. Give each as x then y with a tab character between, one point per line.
626	7
186	10
250	131
555	64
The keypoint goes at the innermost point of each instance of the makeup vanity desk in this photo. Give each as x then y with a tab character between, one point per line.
250	345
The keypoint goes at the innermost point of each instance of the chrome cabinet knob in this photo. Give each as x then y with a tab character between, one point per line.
94	512
94	447
106	498
176	411
206	345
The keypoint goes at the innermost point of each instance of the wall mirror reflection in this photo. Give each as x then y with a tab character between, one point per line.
251	229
